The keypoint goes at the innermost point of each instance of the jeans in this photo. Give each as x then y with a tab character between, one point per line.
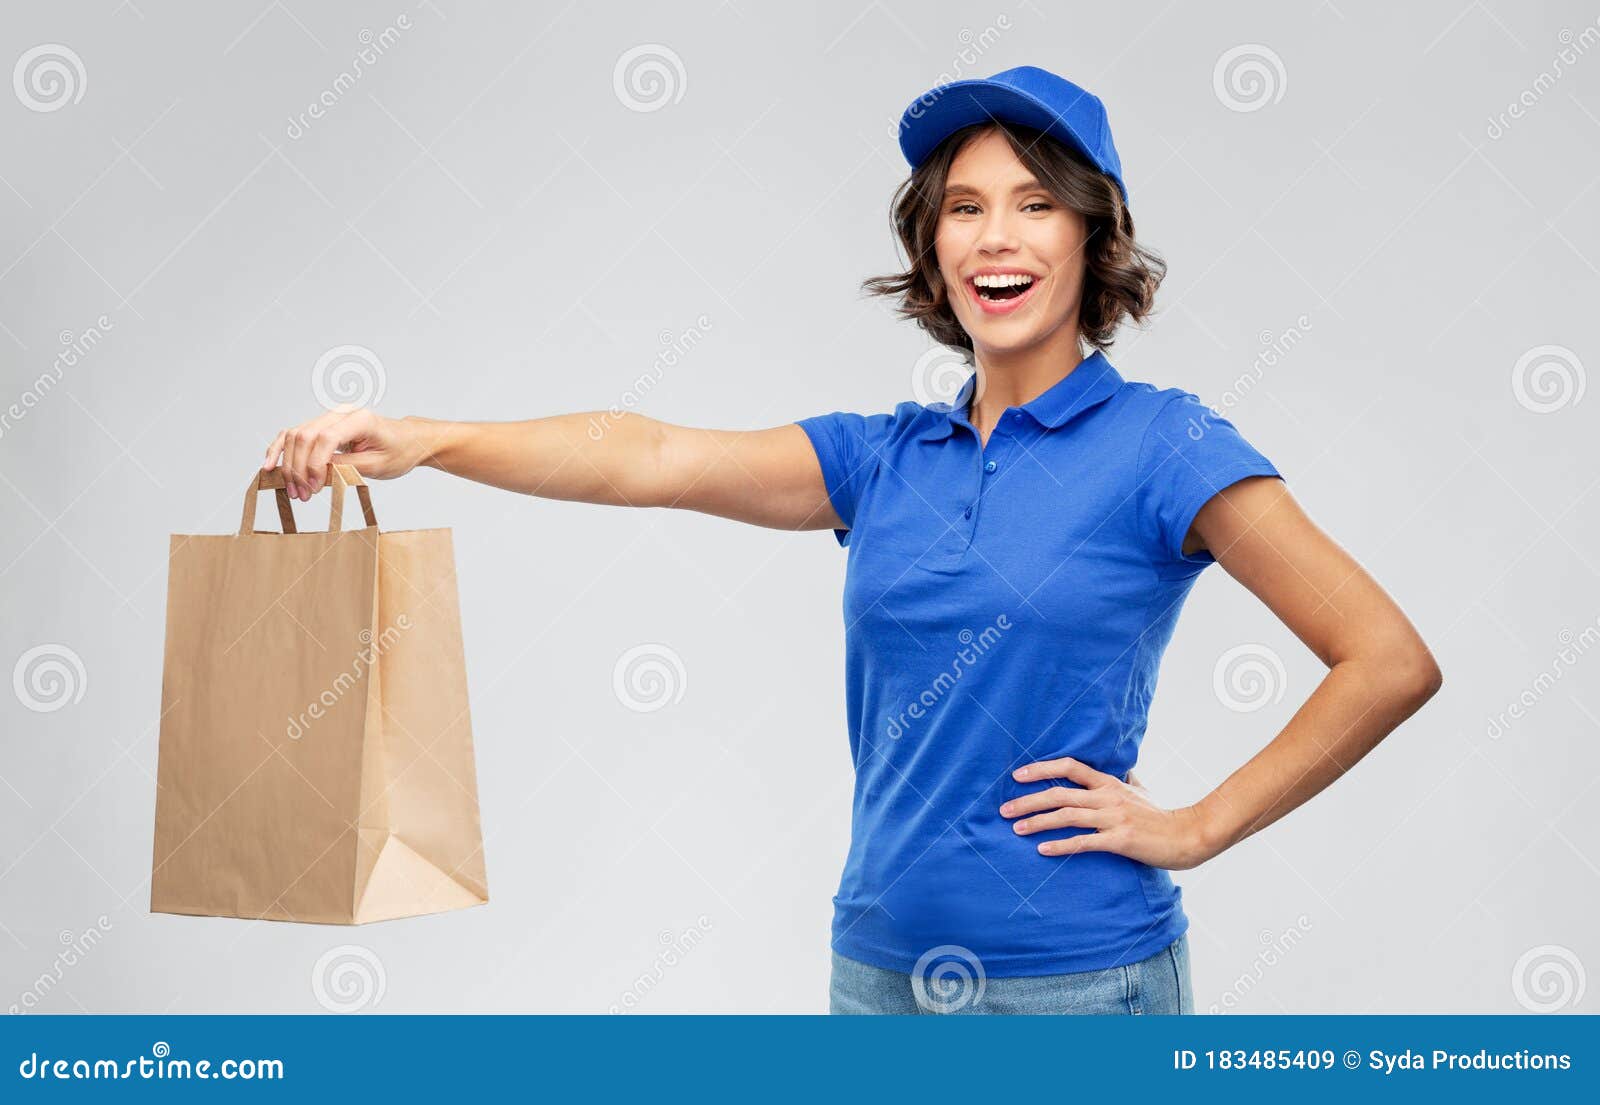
1158	985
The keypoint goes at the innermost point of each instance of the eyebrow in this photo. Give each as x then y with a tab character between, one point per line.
968	190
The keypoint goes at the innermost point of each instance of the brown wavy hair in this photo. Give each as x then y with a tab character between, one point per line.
1120	275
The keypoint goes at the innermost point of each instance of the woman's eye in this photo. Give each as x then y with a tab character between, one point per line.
972	208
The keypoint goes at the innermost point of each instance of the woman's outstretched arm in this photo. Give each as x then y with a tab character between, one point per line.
1379	673
767	477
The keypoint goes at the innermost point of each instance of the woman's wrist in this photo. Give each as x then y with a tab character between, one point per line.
1213	827
433	440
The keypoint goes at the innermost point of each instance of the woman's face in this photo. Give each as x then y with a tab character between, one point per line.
997	226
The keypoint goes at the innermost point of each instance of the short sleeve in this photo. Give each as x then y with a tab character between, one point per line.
1189	454
847	449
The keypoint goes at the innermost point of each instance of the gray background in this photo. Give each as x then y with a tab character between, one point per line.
485	213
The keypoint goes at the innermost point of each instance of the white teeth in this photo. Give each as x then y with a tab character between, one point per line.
1004	280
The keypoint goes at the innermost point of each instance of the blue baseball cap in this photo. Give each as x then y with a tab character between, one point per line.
1027	95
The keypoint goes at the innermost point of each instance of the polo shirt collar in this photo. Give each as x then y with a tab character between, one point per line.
1093	382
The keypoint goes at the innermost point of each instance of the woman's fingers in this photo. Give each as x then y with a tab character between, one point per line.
290	442
329	434
298	458
1082	842
1053	798
1064	768
1069	817
273	452
299	469
318	448
304	452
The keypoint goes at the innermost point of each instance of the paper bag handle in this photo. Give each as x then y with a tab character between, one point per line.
339	477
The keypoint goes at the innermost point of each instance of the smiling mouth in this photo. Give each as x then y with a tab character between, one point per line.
1003	294
1013	288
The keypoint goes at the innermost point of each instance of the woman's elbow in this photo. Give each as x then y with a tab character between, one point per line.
1415	675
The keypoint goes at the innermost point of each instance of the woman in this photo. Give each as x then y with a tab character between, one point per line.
1017	562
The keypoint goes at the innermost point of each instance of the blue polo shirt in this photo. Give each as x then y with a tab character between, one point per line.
1004	604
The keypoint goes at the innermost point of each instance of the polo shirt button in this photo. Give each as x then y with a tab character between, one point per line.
967	513
990	467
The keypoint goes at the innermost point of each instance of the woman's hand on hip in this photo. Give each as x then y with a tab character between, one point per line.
1123	816
373	445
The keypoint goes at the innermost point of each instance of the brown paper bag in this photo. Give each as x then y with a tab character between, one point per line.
316	754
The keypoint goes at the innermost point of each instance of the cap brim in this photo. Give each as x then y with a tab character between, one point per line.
939	113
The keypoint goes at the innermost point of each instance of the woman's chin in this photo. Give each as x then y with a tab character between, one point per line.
1002	340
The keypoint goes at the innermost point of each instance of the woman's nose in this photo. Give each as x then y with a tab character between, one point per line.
997	233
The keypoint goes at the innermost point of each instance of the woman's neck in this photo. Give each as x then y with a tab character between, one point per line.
1016	379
